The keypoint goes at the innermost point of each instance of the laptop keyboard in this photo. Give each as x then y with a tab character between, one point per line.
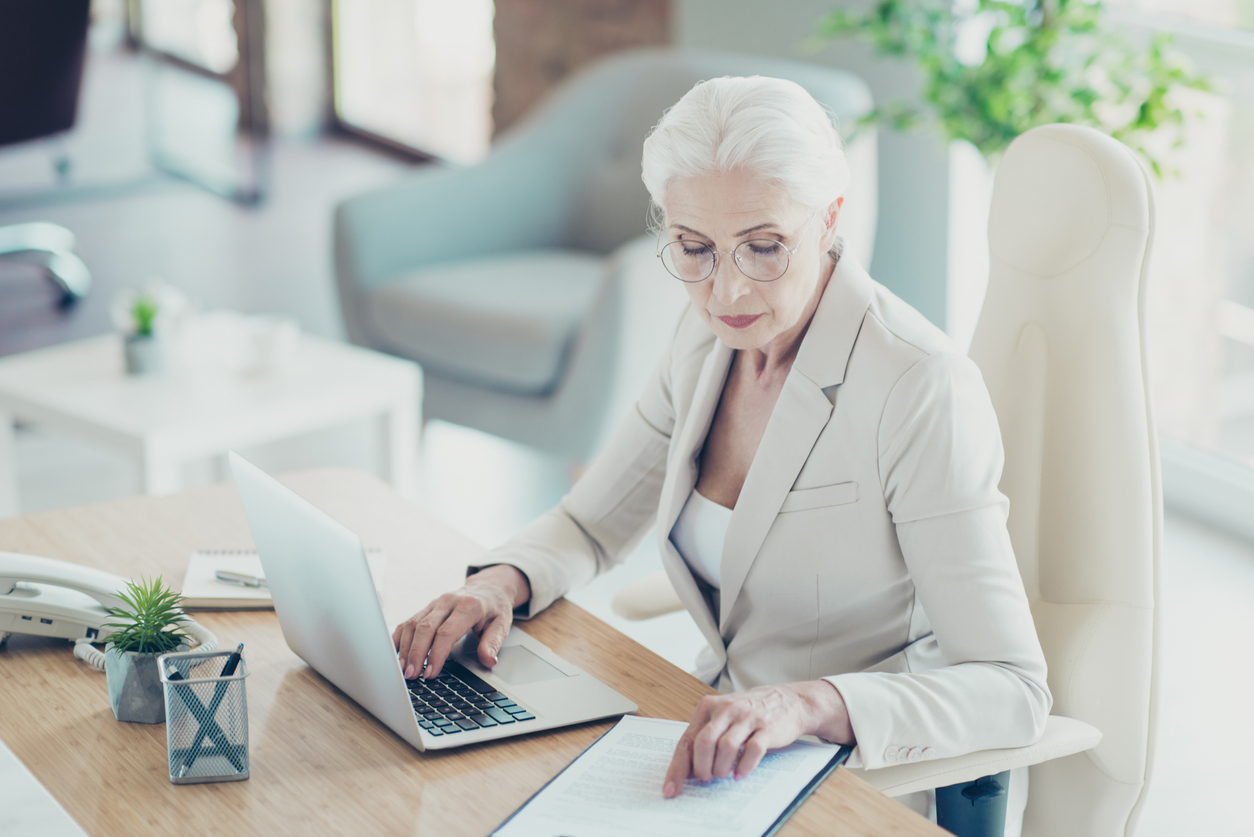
458	700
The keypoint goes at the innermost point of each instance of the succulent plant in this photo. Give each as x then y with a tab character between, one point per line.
150	620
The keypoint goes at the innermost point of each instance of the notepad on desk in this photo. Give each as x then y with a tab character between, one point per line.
614	789
203	591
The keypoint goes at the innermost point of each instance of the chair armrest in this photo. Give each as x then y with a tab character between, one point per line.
516	199
646	598
1063	737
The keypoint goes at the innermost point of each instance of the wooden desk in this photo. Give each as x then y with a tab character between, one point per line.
320	764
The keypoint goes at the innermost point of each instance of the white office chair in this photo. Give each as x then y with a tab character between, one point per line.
1061	344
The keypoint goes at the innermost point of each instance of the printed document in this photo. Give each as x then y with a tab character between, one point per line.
614	789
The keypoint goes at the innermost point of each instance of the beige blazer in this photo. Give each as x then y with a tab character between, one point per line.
868	545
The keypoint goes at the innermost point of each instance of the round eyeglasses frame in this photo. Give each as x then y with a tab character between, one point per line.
734	252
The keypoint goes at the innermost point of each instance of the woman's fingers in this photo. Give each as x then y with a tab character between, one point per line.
727	750
706	740
423	626
403	644
493	638
754	749
730	734
485	604
680	768
403	637
457	624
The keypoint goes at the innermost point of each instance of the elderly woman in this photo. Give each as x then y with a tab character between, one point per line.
821	466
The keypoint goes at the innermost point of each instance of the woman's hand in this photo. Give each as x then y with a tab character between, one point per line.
485	605
733	732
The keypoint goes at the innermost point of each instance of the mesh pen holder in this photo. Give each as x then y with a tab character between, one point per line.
206	717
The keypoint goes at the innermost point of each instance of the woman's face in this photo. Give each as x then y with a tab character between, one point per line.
723	210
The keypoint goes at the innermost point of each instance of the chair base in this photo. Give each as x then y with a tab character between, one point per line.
50	246
974	809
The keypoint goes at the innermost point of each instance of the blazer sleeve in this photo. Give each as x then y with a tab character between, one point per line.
940	460
606	513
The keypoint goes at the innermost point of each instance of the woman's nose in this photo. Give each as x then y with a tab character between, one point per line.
729	283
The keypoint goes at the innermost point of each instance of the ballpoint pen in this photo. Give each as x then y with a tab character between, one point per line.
242	579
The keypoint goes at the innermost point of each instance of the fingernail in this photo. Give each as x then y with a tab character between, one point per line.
409	672
668	790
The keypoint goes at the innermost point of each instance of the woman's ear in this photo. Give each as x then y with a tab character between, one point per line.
831	217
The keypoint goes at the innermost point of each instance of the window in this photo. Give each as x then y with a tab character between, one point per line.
201	32
416	73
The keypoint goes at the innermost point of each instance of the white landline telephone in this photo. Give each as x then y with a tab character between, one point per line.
45	597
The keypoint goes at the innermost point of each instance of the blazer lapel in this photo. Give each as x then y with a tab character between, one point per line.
801	412
681	478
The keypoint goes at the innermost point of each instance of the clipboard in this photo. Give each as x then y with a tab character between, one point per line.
536	816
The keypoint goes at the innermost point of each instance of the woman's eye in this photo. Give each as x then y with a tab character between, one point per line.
763	248
694	249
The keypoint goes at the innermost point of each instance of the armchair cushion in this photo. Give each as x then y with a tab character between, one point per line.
1062	737
504	322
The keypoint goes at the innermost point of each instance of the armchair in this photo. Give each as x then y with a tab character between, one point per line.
500	278
1061	344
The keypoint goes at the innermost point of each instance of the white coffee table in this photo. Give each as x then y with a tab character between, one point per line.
165	420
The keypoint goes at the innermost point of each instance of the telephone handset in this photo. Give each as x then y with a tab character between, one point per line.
46	597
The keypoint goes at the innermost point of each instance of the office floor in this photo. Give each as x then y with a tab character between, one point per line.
276	258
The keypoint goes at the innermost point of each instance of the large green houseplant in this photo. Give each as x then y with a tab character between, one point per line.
993	69
146	626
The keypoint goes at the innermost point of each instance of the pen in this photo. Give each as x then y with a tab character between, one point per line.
242	579
231	662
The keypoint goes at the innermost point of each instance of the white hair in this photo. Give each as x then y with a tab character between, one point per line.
769	126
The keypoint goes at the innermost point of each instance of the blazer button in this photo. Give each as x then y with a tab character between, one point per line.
928	753
915	754
890	754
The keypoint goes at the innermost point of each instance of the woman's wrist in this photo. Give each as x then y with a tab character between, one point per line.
508	576
826	714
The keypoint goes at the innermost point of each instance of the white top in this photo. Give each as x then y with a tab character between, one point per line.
698	535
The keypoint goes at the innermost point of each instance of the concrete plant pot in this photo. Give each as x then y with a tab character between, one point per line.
135	690
143	354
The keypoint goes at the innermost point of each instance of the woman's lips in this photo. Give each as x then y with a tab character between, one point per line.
741	320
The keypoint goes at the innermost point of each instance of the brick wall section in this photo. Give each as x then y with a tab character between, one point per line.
540	41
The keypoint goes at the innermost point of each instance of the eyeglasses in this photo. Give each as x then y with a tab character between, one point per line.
761	259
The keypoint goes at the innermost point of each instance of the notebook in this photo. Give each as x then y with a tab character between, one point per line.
203	591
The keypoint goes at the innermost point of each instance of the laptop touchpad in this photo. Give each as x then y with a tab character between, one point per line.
517	666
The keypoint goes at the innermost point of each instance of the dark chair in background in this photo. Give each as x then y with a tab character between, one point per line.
42	46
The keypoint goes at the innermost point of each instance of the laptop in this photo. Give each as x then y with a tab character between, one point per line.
331	618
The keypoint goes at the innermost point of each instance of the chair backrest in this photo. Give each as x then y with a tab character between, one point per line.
41	66
1061	344
603	115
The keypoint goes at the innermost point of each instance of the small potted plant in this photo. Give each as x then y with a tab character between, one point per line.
148	318
143	351
146	627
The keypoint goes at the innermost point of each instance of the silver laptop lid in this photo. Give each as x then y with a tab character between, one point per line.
324	597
